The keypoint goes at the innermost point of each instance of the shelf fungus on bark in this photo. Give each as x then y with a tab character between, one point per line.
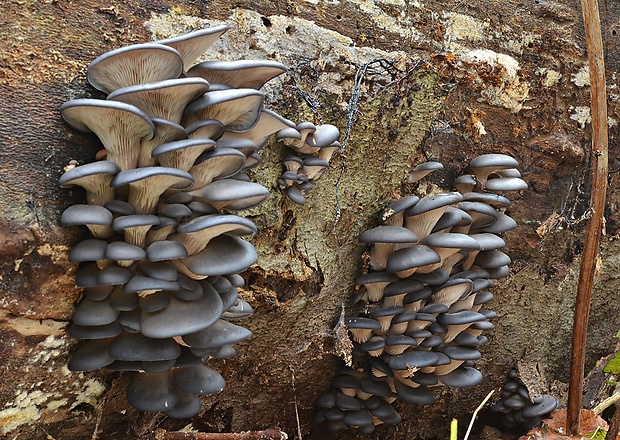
432	261
161	270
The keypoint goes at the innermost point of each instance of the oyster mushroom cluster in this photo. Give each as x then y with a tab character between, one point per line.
519	410
161	269
312	148
433	261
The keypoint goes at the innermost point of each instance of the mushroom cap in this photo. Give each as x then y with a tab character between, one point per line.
451	240
362	323
436	277
217	164
92	355
397	206
505	184
495	200
119	250
181	179
165	99
122	301
187	406
461	353
113	275
268	123
91	249
251	74
198	379
240	309
205	129
374	343
452	217
503	223
152	392
348	403
433	202
323	136
233	195
132	65
386	311
492	259
219	334
495	161
183	317
75	175
131	221
388	234
542	405
418	295
119	207
411	257
465	183
137	347
460	317
413	359
142	283
358	418
181	154
95	331
173	210
94	313
165	250
86	215
420	394
488	241
295	194
224	254
462	377
386	413
237	109
193	45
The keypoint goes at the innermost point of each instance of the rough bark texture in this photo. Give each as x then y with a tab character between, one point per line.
456	80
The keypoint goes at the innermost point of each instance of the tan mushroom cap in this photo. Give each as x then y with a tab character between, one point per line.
196	234
237	109
216	164
193	45
132	65
232	194
268	123
147	184
183	153
164	99
118	125
251	74
95	178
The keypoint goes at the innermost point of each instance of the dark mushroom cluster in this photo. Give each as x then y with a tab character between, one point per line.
161	270
520	411
433	261
312	148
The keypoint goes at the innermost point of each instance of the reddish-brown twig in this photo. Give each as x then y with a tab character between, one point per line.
596	62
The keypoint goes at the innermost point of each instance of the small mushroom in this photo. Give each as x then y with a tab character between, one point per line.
95	178
193	45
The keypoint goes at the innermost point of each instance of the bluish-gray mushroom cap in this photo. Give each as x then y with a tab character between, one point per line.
198	379
152	392
220	333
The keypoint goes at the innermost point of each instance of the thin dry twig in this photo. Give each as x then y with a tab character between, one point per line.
268	434
295	401
596	63
598	409
475	414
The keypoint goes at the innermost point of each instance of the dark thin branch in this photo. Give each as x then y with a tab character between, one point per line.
599	157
